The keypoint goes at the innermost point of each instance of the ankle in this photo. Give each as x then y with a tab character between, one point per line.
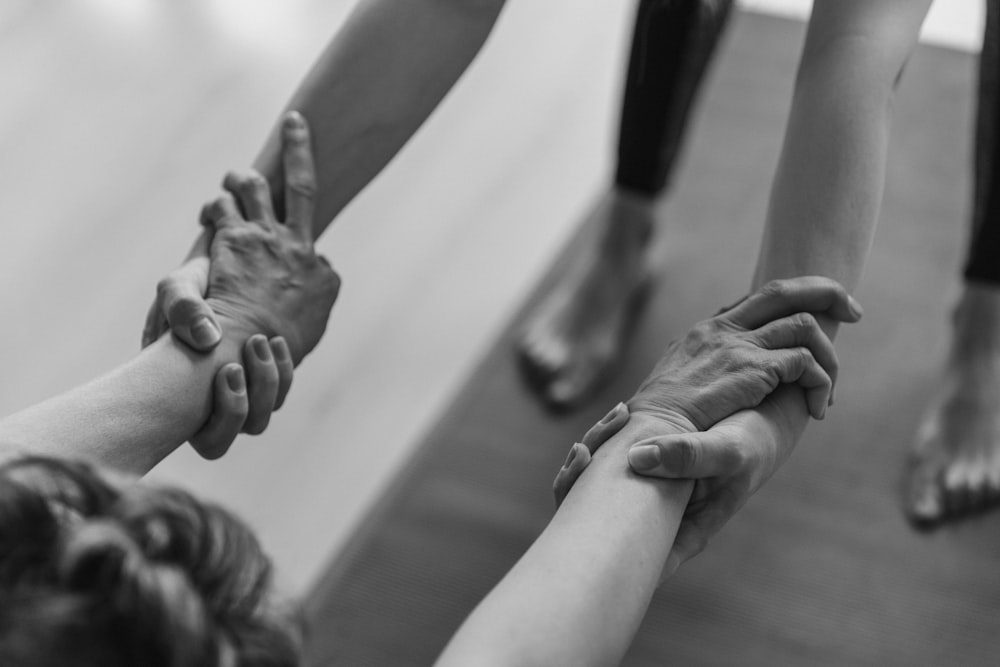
629	222
976	318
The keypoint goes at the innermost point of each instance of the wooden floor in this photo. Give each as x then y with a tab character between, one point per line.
820	567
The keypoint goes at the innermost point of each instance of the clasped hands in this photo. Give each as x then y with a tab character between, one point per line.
252	278
712	397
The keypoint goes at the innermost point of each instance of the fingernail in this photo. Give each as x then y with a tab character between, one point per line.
855	306
608	418
205	332
572	454
235	380
833	391
644	457
261	348
280	351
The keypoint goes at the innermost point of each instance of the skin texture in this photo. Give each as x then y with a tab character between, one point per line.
954	469
363	112
821	220
132	417
578	594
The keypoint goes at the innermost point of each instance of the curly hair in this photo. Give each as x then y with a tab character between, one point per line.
100	573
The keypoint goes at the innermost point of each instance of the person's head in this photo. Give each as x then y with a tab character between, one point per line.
99	573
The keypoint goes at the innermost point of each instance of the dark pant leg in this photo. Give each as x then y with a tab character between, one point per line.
672	45
984	248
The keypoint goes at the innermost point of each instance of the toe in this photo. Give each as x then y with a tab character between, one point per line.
957	485
924	504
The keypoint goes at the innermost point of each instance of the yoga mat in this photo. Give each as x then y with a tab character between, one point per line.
820	567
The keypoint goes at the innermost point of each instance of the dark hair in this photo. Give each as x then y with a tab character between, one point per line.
99	573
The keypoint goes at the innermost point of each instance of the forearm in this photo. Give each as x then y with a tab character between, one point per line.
578	595
378	80
130	418
828	187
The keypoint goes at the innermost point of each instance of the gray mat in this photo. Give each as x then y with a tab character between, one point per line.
820	568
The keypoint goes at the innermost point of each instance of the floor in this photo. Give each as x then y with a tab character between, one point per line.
820	568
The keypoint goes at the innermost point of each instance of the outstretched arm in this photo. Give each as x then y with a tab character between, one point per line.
578	594
134	416
821	220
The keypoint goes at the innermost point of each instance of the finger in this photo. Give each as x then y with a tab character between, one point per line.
252	193
262	382
603	430
801	330
726	309
709	453
780	298
221	212
180	296
229	410
576	463
286	369
300	175
696	530
156	323
796	365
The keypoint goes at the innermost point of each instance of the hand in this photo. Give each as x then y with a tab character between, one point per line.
729	463
264	275
180	305
243	400
734	360
581	452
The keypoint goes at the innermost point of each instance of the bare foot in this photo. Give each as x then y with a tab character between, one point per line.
574	336
955	466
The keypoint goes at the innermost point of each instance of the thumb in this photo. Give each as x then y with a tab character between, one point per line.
181	296
687	456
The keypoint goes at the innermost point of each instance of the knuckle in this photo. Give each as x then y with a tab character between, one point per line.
302	185
775	288
253	182
687	454
807	322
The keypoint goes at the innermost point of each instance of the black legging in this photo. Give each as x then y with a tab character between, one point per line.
983	263
672	45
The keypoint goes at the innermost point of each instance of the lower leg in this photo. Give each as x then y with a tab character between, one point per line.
955	465
574	337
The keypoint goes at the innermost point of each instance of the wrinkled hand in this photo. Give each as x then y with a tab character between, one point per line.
738	454
734	360
265	276
729	463
243	400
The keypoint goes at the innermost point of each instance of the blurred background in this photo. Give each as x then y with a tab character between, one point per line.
118	119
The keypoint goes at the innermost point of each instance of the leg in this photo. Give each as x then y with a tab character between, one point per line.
574	337
955	466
